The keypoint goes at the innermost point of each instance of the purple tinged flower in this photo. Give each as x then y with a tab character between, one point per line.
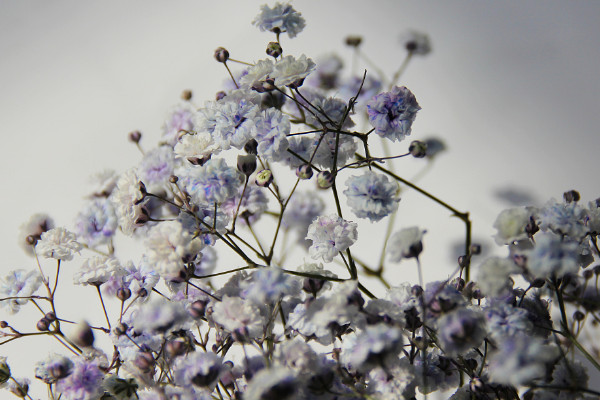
273	383
235	119
520	359
198	369
156	167
372	347
84	382
181	118
268	285
505	320
18	283
372	195
129	202
97	223
272	128
254	204
214	182
461	330
564	219
280	18
331	235
159	316
53	368
370	87
392	113
291	71
552	257
235	314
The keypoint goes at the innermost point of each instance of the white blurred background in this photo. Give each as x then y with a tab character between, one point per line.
511	87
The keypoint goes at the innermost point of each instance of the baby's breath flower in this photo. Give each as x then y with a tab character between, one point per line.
273	383
280	18
392	113
237	315
97	270
552	257
156	167
494	275
290	71
416	42
258	74
180	120
84	382
129	202
330	235
405	243
214	182
33	229
372	195
196	146
97	223
58	243
18	283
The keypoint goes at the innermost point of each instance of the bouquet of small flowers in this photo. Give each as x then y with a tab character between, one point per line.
246	288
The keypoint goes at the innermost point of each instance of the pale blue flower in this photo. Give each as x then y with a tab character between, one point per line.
214	182
84	382
97	223
156	167
392	113
552	256
372	195
330	235
18	283
564	219
461	330
272	128
269	285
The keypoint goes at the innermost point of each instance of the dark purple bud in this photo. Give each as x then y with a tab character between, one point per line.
123	293
578	316
274	49
221	55
43	325
571	196
186	95
135	136
50	316
246	164
220	95
353	41
120	329
83	335
144	361
417	149
251	147
304	172
198	309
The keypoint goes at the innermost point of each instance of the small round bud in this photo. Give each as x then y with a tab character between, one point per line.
353	41
221	55
264	178
325	179
475	249
246	164
176	347
251	147
313	286
578	316
142	293
123	293
304	172
50	316
588	274
83	335
3	324
4	371
463	261
416	291
144	361
198	309
417	149
538	283
142	188
186	95
274	49
198	160
173	179
571	196
135	136
32	240
471	363
42	325
120	329
220	95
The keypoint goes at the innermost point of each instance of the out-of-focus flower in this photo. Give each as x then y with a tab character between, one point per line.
372	195
279	19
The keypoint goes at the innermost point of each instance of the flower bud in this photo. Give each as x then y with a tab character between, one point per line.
264	178
198	309
42	325
4	370
20	389
475	249
123	293
144	361
325	179
418	149
220	95
83	336
312	286
221	55
274	49
571	196
538	283
353	41
578	316
246	164
304	172
273	99
173	179
50	316
186	95
135	136
251	147
198	160
588	274
176	347
120	329
3	324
